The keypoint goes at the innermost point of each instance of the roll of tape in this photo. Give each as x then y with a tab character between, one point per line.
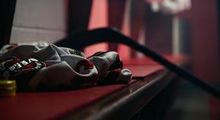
7	87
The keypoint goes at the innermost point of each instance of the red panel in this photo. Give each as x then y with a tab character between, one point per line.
205	41
98	19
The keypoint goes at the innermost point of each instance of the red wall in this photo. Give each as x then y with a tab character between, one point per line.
205	41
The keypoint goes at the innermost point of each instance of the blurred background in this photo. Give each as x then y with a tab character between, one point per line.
169	27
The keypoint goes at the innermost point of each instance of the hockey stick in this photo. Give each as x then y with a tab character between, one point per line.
83	39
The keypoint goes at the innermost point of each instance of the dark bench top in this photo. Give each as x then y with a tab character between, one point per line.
99	102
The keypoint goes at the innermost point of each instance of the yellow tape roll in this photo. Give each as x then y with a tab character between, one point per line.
7	87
